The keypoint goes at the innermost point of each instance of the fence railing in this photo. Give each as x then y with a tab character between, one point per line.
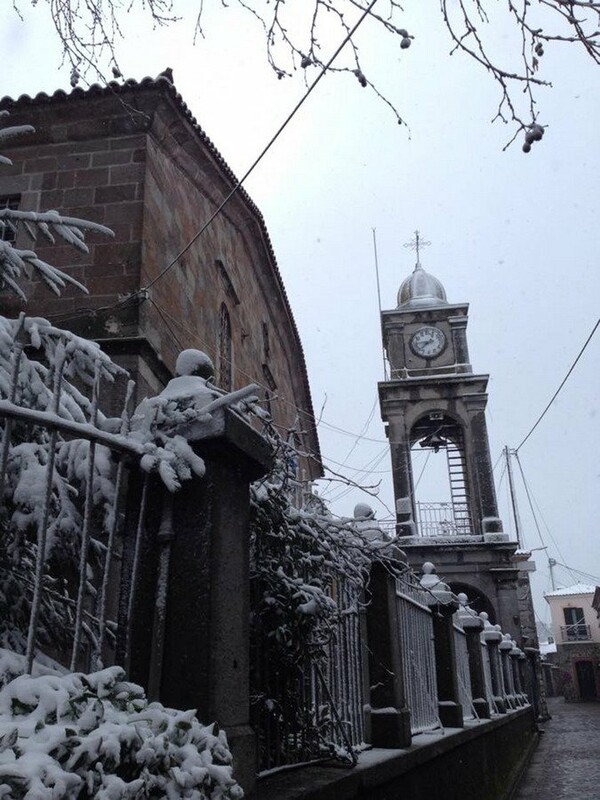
463	672
314	708
443	519
579	632
62	480
415	632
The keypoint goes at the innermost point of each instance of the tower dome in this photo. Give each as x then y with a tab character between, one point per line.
421	290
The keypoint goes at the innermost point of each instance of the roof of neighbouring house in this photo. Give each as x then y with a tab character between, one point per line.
577	588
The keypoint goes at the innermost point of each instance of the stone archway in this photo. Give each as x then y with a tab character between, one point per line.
477	599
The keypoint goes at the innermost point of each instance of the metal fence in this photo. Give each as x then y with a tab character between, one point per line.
463	672
418	654
51	432
313	708
443	519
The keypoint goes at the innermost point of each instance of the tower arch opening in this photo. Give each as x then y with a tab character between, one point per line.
442	495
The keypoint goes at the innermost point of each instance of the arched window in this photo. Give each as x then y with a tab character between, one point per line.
224	364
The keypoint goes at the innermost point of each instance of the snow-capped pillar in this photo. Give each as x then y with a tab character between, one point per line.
493	638
388	719
504	649
515	655
443	605
522	671
472	625
202	600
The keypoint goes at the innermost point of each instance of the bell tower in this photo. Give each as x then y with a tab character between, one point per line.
434	401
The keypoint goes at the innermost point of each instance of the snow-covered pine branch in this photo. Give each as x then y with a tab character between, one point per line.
16	261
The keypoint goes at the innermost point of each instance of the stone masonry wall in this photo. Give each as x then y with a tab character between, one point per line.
135	164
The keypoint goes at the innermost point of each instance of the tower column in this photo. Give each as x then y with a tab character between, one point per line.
458	328
482	470
402	475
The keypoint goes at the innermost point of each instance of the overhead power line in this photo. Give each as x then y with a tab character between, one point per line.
564	380
265	150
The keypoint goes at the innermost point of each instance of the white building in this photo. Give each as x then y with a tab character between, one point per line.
576	631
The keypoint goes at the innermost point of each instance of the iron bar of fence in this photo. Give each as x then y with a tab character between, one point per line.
87	516
165	538
101	614
78	430
463	673
351	753
43	526
136	560
17	352
418	656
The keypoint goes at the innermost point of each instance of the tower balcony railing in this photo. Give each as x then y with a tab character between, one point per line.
443	519
579	632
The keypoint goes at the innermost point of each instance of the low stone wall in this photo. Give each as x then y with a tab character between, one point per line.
482	761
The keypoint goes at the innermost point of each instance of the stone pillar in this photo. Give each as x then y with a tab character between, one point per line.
515	655
443	606
537	695
449	707
523	677
472	626
189	620
389	717
458	328
507	600
402	476
504	649
493	638
482	472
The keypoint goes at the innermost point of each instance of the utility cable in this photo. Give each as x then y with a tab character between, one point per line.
564	380
364	428
529	499
211	349
586	575
271	142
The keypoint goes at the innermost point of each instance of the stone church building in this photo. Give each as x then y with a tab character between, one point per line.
132	157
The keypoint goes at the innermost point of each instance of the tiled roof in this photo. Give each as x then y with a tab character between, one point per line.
577	588
164	84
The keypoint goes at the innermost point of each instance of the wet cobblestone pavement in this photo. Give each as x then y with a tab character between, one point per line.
566	764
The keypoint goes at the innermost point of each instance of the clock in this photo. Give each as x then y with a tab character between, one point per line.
428	342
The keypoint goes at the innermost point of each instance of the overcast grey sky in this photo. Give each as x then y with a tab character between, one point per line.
514	235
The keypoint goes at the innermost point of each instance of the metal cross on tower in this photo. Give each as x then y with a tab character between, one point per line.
416	244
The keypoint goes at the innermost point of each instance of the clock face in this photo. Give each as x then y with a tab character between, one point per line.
428	342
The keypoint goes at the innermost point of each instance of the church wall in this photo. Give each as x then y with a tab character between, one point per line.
137	165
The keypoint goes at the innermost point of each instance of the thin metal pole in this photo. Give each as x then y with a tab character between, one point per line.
379	298
40	559
18	344
513	496
101	614
552	564
87	518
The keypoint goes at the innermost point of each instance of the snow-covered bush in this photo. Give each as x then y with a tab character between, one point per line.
97	736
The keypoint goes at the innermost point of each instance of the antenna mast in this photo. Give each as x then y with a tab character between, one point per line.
513	496
385	377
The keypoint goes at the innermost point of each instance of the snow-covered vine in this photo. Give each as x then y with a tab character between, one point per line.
301	554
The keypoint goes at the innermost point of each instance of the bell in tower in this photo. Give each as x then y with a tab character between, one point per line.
434	402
